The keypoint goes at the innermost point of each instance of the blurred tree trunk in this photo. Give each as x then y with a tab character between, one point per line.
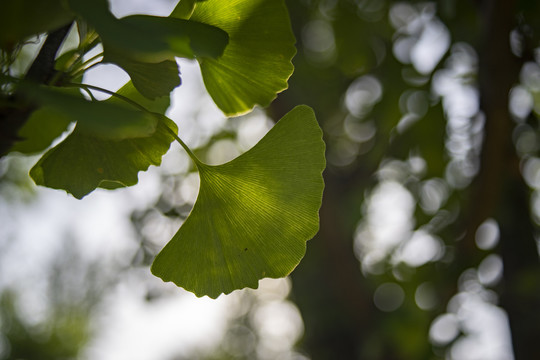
328	286
501	191
334	297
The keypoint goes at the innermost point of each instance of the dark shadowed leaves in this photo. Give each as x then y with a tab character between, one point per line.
100	118
86	160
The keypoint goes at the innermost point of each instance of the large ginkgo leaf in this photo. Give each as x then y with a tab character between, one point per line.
253	215
256	63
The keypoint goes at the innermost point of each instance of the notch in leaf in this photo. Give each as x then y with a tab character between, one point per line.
253	215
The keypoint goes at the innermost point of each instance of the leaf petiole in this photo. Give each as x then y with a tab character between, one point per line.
196	160
109	92
84	66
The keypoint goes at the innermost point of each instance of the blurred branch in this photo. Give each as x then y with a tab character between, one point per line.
12	115
42	69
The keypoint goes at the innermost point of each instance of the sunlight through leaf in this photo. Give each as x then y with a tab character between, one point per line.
256	63
253	214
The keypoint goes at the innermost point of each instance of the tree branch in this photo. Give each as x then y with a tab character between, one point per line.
13	117
42	69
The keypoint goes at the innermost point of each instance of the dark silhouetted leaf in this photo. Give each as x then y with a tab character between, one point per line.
100	118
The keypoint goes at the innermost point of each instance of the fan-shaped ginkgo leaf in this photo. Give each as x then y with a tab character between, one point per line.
256	63
253	215
85	160
82	162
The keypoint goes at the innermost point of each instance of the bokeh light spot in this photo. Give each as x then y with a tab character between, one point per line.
388	297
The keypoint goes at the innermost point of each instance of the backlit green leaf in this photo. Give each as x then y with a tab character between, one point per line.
83	162
151	79
253	215
158	105
184	38
48	122
42	127
184	9
256	64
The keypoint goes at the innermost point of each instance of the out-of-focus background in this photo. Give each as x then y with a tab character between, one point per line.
428	243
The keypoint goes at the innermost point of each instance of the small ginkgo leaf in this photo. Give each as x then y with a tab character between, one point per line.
39	131
152	80
83	162
184	38
157	105
48	122
256	64
100	118
151	39
253	215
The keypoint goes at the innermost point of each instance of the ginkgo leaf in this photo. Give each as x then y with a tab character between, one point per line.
39	131
157	105
184	9
253	215
20	19
151	79
145	46
100	118
49	122
83	162
151	39
256	63
184	38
